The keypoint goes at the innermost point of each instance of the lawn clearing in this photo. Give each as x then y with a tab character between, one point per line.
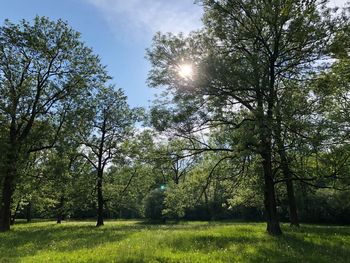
136	241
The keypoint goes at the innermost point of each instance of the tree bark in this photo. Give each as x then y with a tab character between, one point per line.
5	211
60	210
7	191
270	204
99	199
265	136
29	212
266	132
293	213
8	186
273	227
210	215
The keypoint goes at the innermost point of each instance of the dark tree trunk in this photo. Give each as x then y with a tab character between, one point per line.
270	204
107	210
60	210
99	199
266	131
293	214
100	168
273	227
294	219
7	191
29	212
210	215
9	179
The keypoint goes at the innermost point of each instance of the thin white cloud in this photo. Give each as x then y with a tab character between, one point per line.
338	3
151	15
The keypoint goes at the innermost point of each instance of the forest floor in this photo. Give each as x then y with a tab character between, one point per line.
136	241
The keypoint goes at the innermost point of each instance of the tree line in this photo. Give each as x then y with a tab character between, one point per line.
259	129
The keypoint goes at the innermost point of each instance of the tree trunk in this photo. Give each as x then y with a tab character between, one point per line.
99	199
107	211
266	132
293	214
7	191
60	210
270	204
29	212
273	227
9	179
210	216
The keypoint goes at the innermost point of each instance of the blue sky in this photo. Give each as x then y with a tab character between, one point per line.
119	31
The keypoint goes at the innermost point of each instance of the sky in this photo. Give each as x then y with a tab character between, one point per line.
119	31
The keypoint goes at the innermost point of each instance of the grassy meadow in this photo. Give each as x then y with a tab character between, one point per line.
136	241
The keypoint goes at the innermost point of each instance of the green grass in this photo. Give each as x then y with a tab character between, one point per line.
135	241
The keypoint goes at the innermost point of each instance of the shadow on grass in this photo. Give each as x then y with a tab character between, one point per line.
303	246
38	236
306	244
27	241
224	242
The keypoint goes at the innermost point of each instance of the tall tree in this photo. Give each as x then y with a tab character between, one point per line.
240	61
111	124
43	67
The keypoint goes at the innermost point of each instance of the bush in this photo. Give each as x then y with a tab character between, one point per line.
153	204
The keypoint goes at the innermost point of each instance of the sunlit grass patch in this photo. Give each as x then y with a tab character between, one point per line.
136	241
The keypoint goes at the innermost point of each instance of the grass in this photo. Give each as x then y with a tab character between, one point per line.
135	241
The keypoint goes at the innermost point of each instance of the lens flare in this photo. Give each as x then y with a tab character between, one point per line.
186	71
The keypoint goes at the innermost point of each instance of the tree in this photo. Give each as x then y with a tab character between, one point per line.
241	59
43	66
61	173
111	123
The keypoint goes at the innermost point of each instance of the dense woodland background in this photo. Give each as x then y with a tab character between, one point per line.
252	123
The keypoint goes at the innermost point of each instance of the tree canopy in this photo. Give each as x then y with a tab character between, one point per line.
252	124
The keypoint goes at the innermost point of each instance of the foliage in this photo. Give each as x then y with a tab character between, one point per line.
154	204
259	131
44	69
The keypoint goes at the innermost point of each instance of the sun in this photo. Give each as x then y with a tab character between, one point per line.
185	71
